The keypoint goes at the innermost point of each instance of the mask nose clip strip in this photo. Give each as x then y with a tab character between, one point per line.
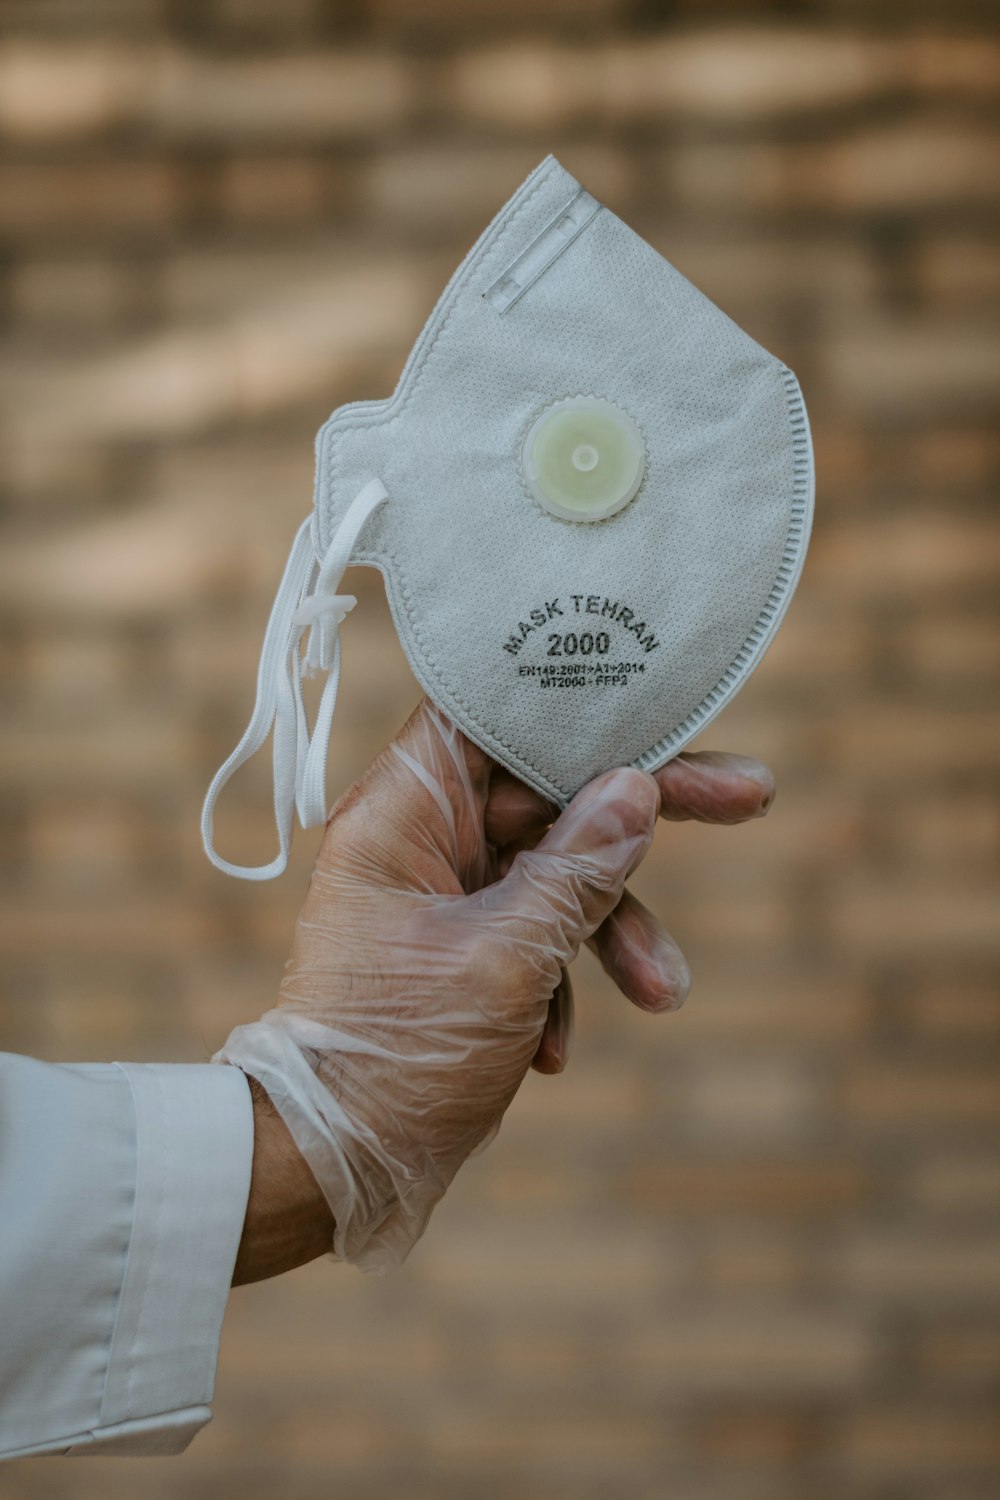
299	758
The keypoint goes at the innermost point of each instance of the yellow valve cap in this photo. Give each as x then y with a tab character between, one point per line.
583	458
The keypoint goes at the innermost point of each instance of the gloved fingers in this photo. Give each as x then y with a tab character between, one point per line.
638	953
634	949
631	944
555	895
714	786
557	1036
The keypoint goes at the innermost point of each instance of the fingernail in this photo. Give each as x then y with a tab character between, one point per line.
768	790
674	976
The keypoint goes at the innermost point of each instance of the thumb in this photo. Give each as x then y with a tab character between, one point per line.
563	889
414	820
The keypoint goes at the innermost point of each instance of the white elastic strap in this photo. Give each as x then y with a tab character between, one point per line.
299	760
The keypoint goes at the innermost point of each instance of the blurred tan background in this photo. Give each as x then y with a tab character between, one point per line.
752	1250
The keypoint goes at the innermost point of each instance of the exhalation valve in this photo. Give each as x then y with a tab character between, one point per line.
583	458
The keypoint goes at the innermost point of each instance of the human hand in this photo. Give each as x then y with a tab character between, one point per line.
428	970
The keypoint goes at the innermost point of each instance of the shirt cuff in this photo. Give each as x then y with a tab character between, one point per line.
194	1129
123	1192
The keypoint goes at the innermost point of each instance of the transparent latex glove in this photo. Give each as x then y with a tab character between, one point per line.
428	970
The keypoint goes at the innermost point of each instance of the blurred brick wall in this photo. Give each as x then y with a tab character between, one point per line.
749	1251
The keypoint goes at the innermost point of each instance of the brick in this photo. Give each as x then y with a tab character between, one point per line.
920	1441
48	18
908	744
756	1435
922	1095
429	191
607	1094
957	831
357	1436
444	17
730	74
74	669
59	202
733	1348
960	1355
936	162
923	554
544	1436
867	478
146	926
69	89
960	271
960	456
913	916
763	1098
134	751
70	295
264	21
960	1008
92	1022
898	168
741	75
540	1362
84	845
208	281
553	1181
919	1269
733	908
313	96
754	1003
296	344
956	1184
273	189
524	86
58	481
137	567
744	1255
744	991
748	270
392	1357
952	647
764	1186
607	1268
902	367
953	66
425	189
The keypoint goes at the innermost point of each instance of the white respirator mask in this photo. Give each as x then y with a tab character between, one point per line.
589	498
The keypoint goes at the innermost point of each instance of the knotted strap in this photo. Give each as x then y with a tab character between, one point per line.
299	759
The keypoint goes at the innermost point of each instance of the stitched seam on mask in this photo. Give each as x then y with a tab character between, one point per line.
379	411
738	670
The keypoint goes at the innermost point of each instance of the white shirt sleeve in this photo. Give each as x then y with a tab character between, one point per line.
123	1189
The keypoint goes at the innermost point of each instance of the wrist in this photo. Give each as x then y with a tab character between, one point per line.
288	1221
